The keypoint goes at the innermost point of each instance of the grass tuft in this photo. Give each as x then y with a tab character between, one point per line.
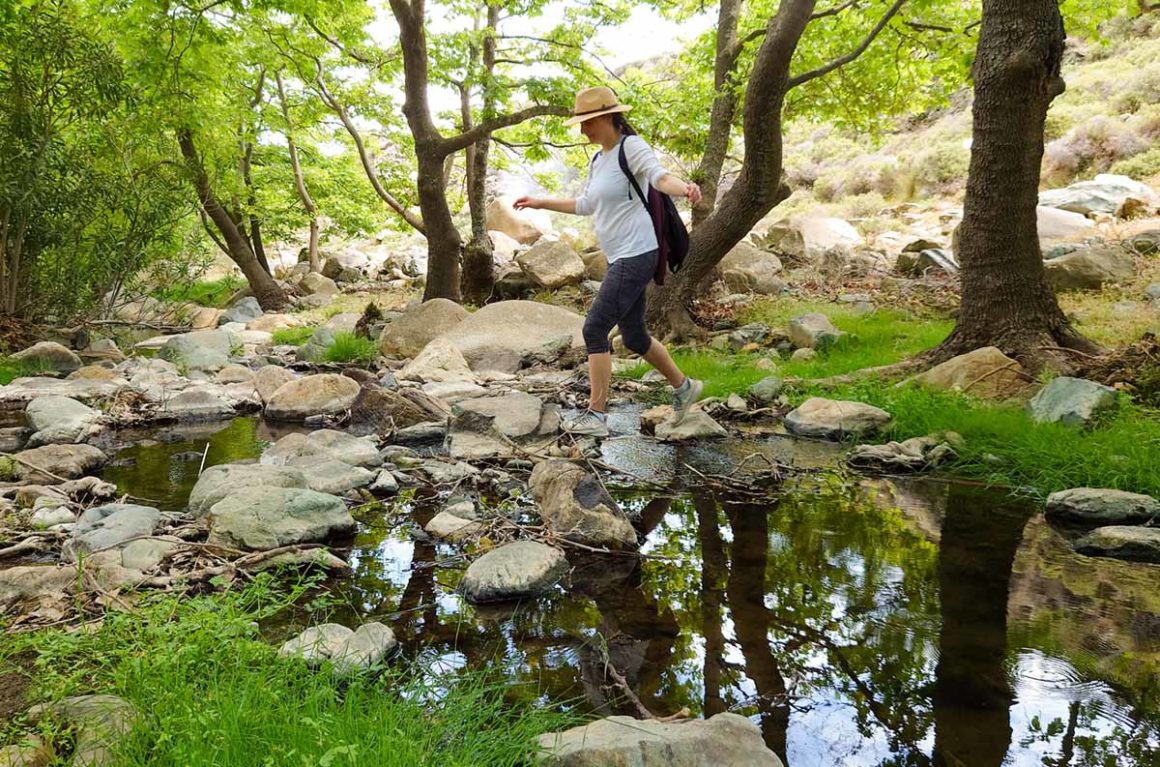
11	369
348	347
212	293
293	336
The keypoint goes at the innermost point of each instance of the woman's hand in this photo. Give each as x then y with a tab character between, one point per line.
693	193
526	202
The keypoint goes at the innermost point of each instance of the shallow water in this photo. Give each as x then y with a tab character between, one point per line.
857	621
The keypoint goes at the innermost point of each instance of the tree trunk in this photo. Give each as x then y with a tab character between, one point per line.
299	179
1006	301
478	256
269	295
444	245
723	110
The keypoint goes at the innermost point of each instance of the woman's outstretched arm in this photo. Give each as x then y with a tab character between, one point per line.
567	205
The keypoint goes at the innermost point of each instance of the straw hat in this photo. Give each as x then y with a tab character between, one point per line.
593	102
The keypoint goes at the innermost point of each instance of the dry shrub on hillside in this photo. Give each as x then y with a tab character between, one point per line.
1090	148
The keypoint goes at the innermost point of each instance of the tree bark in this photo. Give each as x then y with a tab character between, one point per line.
1006	301
723	111
269	295
299	180
478	255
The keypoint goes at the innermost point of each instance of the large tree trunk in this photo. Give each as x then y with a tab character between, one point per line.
1006	301
723	110
478	267
444	245
269	295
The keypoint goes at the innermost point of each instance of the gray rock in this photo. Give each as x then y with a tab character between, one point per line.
268	517
508	335
243	310
803	355
835	419
385	483
146	554
331	476
199	403
1135	544
1097	506
813	331
766	390
317	643
108	527
551	264
442	473
1090	268
748	269
216	482
1104	194
314	350
518	417
269	379
518	570
572	503
23	390
43	519
422	434
234	374
369	646
98	722
1072	401
697	424
445	526
49	355
737	403
61	420
324	394
1153	292
314	284
67	461
323	443
376	410
407	335
724	740
913	454
440	360
202	350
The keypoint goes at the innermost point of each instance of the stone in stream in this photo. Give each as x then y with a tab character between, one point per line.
385	483
813	331
49	355
109	527
61	420
199	403
508	335
45	518
323	394
446	526
487	427
447	472
914	454
697	424
409	334
216	482
1071	401
348	650
378	410
1134	544
264	518
517	570
574	504
269	379
314	284
327	475
835	419
98	722
23	390
63	461
1096	507
323	444
201	350
724	740
440	360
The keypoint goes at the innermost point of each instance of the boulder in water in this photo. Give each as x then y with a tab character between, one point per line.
574	504
517	570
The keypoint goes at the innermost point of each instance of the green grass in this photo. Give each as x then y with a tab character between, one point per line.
348	347
293	336
213	293
11	369
211	691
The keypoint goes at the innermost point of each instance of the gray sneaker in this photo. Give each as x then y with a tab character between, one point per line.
683	400
588	424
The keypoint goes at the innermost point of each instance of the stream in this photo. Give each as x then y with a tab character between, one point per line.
858	621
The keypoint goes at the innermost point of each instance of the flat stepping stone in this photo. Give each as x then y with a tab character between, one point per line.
518	570
1134	544
835	419
1100	506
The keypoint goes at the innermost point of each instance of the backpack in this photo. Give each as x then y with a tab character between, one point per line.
672	236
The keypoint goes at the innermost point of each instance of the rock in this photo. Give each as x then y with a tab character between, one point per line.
23	390
216	482
1103	194
1072	401
753	333
146	554
67	461
724	740
264	518
381	411
439	361
574	504
60	420
747	269
231	374
244	310
30	751
926	261
785	241
595	265
835	419
201	350
813	331
1090	268
409	334
767	390
323	394
1153	292
98	722
317	643
803	355
269	379
737	403
385	483
445	526
350	651
1144	243
198	404
322	443
517	570
1134	544
314	284
518	417
43	519
428	434
524	226
447	473
331	268
94	373
985	372
315	348
1095	507
551	264
508	335
697	424
913	454
49	355
503	247
108	527
271	323
331	476
1054	224
822	233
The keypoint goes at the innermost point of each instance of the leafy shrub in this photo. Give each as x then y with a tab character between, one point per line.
1141	167
348	347
213	293
941	169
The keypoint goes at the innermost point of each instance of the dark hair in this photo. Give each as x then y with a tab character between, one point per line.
621	124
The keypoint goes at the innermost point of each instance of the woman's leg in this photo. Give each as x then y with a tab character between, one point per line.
658	356
599	380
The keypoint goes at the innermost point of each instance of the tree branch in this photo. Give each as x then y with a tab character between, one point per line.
487	127
852	55
833	11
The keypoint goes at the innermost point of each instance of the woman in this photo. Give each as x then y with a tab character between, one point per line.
625	231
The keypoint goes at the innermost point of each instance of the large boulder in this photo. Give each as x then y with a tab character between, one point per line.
573	504
111	526
269	379
201	350
551	264
1105	194
1090	268
783	240
314	284
50	463
49	355
504	248
747	268
517	570
822	233
198	403
1053	224
524	226
323	394
1073	401
439	361
724	740
1134	544
327	475
835	419
61	419
813	331
508	335
216	482
407	335
985	372
244	310
264	518
487	427
323	443
595	264
381	411
1093	506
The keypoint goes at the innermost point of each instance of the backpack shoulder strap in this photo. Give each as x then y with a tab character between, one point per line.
631	178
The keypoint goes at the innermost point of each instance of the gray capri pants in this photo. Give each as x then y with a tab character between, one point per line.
620	301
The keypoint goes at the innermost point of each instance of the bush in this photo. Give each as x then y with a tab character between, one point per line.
348	347
293	336
941	169
212	293
1090	148
1141	167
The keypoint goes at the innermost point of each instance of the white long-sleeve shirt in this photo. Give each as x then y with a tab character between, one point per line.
623	225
